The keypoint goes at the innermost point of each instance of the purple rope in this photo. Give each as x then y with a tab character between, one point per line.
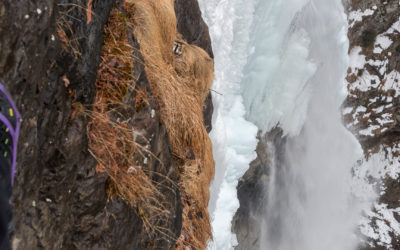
14	133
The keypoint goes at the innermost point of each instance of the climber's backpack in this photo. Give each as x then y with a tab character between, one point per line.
10	121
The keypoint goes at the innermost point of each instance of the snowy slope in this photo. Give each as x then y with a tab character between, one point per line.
371	112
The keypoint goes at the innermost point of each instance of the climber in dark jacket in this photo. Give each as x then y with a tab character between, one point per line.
9	130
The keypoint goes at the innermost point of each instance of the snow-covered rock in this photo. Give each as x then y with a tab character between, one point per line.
371	111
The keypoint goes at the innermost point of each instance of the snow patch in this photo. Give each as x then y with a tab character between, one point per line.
381	65
392	82
378	110
379	222
384	163
385	225
386	119
357	60
394	28
357	16
365	82
383	42
369	131
347	110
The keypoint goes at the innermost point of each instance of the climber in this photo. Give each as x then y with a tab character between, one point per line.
9	130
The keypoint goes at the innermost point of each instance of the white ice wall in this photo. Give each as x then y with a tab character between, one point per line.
283	62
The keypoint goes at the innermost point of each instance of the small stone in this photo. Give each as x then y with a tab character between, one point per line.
53	38
131	170
33	203
153	113
26	16
2	10
48	200
145	160
39	11
65	80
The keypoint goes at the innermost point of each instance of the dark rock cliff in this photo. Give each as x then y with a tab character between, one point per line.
49	59
195	31
252	193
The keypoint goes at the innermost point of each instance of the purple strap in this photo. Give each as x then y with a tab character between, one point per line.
14	133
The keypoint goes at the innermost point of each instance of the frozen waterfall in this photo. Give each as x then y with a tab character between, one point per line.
283	62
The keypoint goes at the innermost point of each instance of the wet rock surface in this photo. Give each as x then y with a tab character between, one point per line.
192	26
252	193
49	58
195	31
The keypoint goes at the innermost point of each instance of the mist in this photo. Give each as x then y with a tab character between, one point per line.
310	205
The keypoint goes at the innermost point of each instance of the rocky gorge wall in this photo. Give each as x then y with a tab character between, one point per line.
252	189
51	57
371	112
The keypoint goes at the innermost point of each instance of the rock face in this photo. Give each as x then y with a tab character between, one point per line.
195	31
372	113
252	193
49	59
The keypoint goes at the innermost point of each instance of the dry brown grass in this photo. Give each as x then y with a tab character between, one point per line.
113	143
180	85
89	11
65	30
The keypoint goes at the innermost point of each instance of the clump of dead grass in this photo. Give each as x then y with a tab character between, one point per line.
180	84
113	143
